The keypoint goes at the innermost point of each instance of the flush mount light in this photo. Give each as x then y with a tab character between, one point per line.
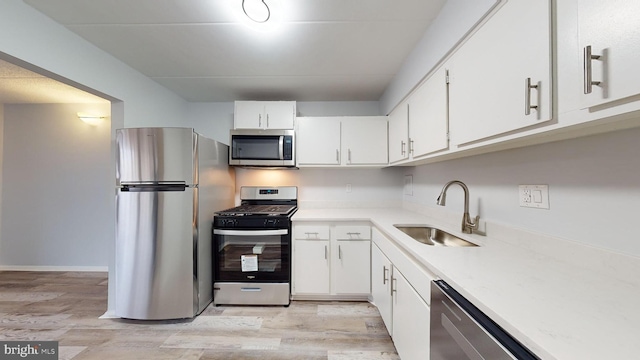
90	119
256	10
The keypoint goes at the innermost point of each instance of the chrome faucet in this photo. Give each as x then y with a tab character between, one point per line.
468	226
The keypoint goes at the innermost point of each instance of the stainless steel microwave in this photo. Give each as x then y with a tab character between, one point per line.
263	148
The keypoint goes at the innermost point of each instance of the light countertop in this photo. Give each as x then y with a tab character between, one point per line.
559	309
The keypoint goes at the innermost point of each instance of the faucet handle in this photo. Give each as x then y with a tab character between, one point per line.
476	222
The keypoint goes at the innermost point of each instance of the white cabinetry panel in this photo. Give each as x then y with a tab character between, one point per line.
612	30
318	141
487	90
399	133
428	116
381	285
311	266
411	320
264	114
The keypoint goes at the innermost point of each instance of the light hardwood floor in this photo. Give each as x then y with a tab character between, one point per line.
65	306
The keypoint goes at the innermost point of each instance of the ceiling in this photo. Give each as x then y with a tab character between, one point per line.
207	51
21	86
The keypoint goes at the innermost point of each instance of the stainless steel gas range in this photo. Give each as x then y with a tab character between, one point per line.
252	248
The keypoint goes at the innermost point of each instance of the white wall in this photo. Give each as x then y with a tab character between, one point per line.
456	18
594	188
36	39
326	188
1	161
57	187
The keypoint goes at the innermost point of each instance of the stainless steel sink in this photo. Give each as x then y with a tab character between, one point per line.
433	236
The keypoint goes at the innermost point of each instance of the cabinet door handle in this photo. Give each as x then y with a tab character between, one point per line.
267	121
315	234
393	290
527	96
588	73
325	252
402	145
339	252
349	155
338	156
410	146
259	120
384	274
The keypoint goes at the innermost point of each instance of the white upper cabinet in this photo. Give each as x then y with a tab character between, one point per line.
609	37
420	125
364	140
264	114
428	121
399	133
342	141
500	78
318	141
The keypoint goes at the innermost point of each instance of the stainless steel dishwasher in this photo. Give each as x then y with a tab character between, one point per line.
459	330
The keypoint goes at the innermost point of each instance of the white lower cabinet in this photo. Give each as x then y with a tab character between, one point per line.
331	261
405	313
411	320
351	273
311	264
381	285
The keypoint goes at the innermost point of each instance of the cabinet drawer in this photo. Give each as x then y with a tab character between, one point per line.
353	232
311	232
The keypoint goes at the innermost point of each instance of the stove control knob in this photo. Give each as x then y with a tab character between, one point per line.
229	222
271	222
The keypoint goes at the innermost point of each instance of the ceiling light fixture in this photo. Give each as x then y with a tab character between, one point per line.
256	10
93	120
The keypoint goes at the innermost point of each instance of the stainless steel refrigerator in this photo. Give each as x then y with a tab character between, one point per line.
170	182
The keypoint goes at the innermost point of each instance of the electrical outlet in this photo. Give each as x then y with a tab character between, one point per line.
534	196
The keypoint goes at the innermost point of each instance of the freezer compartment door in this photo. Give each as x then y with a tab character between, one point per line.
156	155
156	239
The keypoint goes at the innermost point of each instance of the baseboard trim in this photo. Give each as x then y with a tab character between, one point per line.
54	268
322	297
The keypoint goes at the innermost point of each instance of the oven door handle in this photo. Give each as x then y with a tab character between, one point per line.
250	232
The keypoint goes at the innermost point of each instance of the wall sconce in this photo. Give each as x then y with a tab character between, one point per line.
93	120
256	10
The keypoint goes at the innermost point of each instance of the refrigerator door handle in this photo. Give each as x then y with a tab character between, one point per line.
153	188
250	232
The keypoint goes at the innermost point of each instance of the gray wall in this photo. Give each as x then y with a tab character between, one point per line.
57	188
456	18
327	186
594	188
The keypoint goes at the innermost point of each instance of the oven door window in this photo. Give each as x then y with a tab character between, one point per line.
252	255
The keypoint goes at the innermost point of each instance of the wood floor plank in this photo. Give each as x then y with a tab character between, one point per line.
65	306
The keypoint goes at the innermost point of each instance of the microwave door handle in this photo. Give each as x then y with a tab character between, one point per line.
281	147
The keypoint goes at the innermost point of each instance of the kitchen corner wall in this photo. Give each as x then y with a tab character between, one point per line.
327	187
594	188
1	161
57	190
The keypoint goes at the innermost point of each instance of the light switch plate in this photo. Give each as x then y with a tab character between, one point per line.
408	185
534	196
